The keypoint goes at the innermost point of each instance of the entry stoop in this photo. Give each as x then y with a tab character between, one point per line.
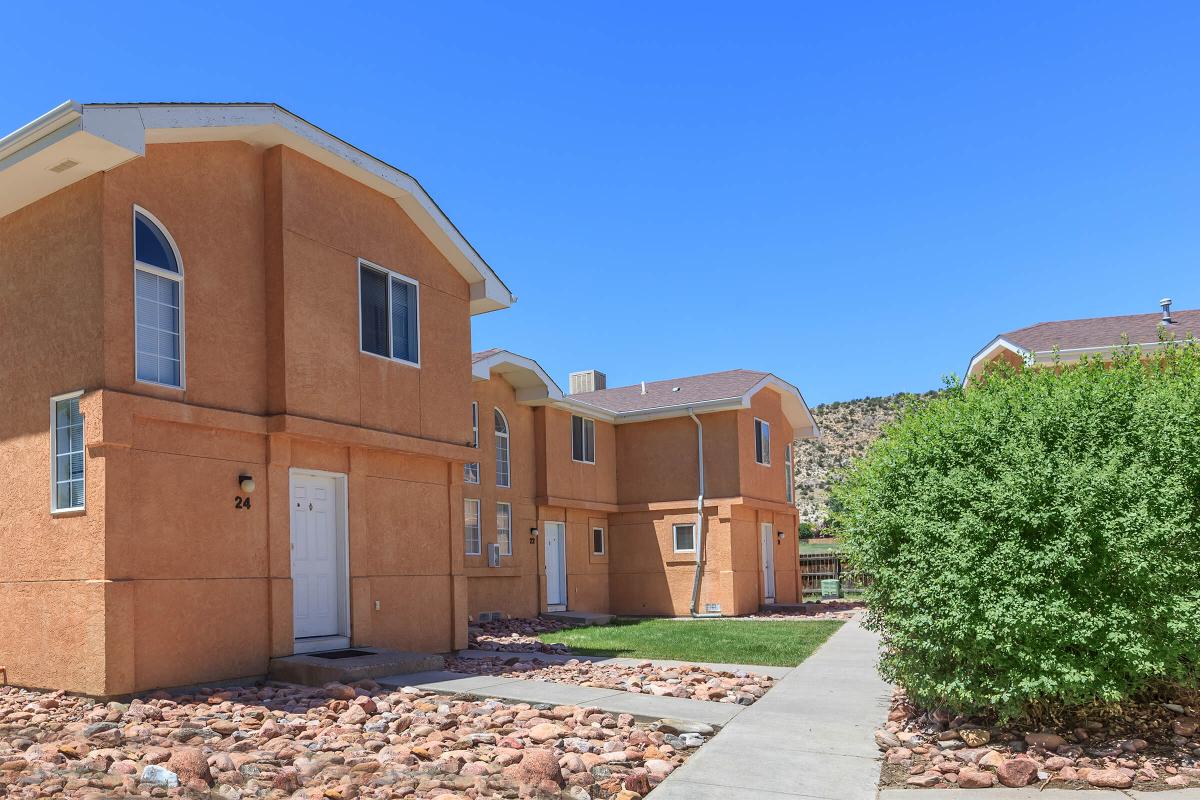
580	617
350	665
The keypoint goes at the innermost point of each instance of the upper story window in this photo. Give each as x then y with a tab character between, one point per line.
388	314
503	478
471	470
597	541
790	478
158	303
583	440
762	442
66	445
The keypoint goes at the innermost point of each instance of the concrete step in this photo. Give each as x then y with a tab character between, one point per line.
318	669
580	617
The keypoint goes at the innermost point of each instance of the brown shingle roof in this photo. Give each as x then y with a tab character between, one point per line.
482	354
677	392
1102	331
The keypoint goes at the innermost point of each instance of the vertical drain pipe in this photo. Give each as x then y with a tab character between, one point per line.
699	514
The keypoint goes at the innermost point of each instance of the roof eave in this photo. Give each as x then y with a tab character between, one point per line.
99	137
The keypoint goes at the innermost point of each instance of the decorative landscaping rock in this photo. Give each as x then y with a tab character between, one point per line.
687	681
1135	745
331	743
516	636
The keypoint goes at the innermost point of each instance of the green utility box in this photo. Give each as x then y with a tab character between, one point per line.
831	587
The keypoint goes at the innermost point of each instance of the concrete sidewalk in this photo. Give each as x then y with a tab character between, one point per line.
644	707
557	658
811	736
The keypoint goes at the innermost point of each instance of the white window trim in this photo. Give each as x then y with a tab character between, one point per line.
586	420
790	484
474	413
162	273
675	536
766	441
54	401
603	541
507	436
478	525
505	546
362	262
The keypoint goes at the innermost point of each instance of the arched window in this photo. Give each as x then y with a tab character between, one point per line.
158	303
502	476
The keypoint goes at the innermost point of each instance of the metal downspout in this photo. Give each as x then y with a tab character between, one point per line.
699	519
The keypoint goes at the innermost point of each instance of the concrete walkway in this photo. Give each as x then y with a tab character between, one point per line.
811	736
1034	793
558	658
644	707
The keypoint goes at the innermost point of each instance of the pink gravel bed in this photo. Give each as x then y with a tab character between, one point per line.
1148	745
334	742
688	681
831	609
517	636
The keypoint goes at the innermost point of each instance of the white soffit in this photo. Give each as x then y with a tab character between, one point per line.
98	137
533	386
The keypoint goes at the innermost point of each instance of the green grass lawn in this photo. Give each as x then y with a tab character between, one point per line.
779	644
819	547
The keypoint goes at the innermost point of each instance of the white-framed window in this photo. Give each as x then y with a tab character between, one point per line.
388	314
504	528
597	541
583	440
471	471
66	449
762	442
790	478
503	479
471	532
157	303
684	536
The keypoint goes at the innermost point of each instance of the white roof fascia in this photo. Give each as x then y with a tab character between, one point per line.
991	347
545	391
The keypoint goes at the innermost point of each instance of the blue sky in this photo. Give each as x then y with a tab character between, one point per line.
855	197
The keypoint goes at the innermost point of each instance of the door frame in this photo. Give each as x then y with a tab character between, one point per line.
766	544
341	517
562	563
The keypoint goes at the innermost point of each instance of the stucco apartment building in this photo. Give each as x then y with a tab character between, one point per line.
236	369
1065	341
593	500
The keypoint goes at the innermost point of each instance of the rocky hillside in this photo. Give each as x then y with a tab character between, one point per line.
848	428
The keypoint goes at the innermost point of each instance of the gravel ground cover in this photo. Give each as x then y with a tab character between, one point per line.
337	742
517	636
1150	745
688	681
829	609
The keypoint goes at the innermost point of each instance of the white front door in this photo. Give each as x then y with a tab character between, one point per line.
768	562
556	564
316	571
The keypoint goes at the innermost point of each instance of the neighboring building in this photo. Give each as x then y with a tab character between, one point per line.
588	501
236	386
1070	340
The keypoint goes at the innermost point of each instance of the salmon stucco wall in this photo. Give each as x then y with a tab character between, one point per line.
656	460
51	307
510	589
563	478
764	481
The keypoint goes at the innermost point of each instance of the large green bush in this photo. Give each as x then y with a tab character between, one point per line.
1034	539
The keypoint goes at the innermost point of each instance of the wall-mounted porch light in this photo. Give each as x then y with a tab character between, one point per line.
246	483
780	535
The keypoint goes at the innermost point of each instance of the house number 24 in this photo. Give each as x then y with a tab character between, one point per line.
241	502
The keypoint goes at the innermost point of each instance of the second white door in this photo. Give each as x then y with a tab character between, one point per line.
315	565
768	562
556	564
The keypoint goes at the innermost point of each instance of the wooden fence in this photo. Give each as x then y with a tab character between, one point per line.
816	567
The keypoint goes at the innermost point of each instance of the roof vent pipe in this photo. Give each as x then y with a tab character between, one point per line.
643	387
1166	307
